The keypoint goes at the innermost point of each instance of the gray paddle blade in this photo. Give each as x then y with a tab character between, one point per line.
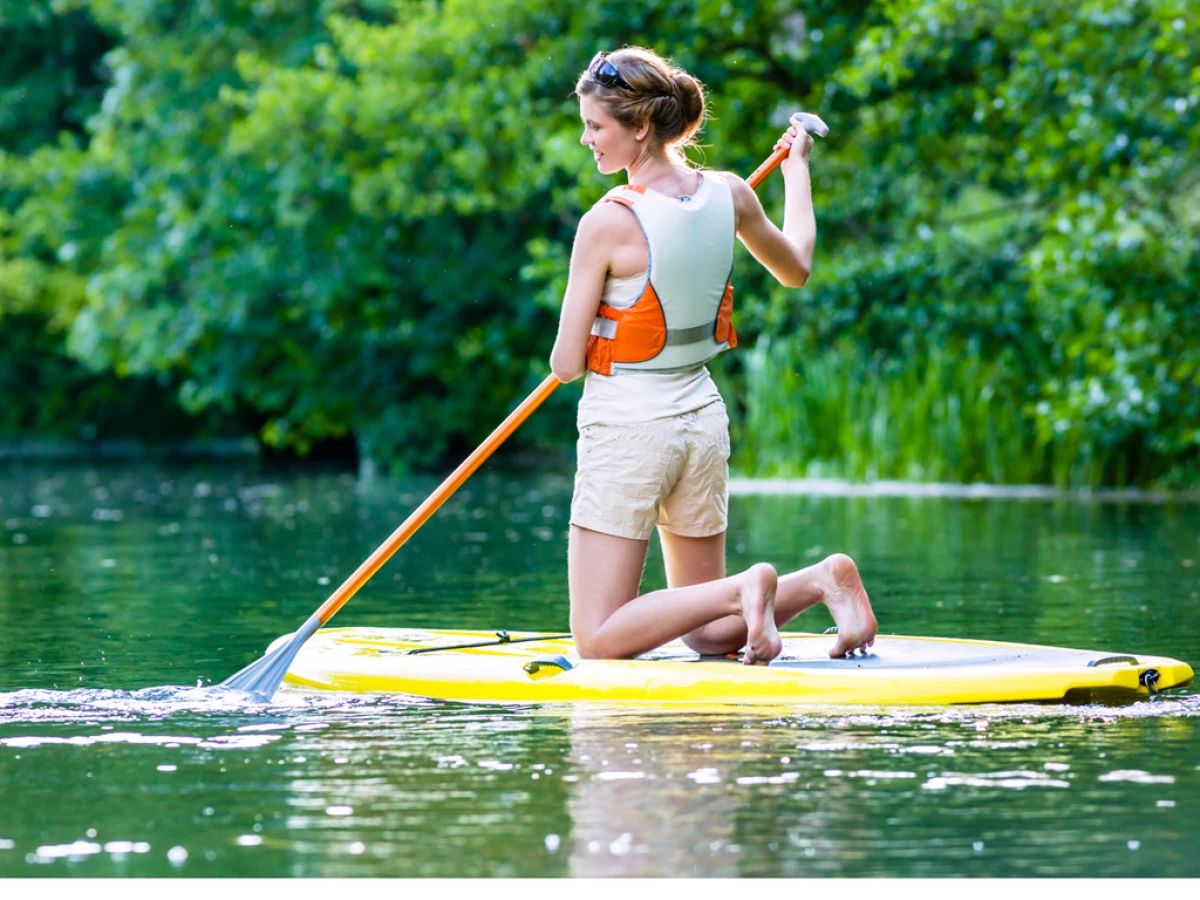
263	677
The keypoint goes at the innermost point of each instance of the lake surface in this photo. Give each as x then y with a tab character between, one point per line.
118	582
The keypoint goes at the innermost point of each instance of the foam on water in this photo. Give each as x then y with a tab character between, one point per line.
52	706
156	703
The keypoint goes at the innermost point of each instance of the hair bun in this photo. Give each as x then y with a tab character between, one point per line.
690	95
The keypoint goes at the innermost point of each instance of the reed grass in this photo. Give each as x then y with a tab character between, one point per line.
937	414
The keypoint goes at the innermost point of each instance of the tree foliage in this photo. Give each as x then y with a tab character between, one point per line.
353	218
1029	182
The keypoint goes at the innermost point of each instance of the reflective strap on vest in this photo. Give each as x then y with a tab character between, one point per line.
618	369
677	336
607	328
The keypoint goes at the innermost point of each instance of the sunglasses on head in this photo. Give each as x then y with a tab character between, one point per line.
605	73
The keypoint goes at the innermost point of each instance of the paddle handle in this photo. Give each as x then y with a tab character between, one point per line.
373	563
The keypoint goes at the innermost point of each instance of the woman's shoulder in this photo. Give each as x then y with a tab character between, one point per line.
737	185
742	194
606	220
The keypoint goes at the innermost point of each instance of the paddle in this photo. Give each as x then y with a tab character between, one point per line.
263	677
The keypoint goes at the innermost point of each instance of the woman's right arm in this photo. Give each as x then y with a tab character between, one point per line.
590	259
786	254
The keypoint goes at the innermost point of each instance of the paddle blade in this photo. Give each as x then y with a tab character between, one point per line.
263	677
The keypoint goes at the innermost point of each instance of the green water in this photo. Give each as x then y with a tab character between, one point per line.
118	582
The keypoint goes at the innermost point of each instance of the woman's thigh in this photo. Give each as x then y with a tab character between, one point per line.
696	561
692	560
604	573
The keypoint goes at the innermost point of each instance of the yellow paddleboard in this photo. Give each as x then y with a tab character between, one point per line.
525	667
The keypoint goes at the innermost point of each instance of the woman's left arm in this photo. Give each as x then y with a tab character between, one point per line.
590	259
787	254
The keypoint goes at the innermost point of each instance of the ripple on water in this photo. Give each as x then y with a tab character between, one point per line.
32	706
81	705
1137	776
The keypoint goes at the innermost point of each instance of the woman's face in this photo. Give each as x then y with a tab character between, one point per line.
613	145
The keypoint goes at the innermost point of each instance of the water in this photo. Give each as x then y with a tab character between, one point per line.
117	583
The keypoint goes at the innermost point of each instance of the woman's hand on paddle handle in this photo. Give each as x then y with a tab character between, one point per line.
798	140
788	253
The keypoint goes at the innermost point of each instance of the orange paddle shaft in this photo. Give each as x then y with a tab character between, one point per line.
767	167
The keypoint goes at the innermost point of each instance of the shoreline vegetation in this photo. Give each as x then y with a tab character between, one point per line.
832	487
127	450
342	230
935	415
234	452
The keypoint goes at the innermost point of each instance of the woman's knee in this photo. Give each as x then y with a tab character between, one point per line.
590	646
720	641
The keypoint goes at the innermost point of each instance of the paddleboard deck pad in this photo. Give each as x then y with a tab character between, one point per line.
526	667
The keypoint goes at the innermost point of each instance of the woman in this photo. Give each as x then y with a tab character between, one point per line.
648	302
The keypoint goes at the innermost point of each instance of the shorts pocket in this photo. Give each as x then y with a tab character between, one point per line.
714	426
619	462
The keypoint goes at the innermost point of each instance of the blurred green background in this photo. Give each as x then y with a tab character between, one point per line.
343	227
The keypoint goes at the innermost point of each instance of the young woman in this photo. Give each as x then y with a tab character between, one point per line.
648	302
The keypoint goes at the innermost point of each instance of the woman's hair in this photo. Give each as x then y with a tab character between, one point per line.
667	97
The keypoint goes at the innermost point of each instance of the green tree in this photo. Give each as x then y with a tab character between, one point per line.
354	239
50	75
353	219
1016	180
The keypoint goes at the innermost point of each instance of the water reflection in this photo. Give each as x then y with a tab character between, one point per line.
333	784
732	795
112	580
650	802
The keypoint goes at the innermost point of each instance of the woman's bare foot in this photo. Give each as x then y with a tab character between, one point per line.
847	602
757	594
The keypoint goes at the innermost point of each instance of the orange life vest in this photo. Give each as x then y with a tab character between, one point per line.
684	316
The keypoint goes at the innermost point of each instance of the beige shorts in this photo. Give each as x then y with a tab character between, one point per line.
670	472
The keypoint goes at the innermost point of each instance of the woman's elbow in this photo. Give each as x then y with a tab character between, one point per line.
564	371
566	376
797	277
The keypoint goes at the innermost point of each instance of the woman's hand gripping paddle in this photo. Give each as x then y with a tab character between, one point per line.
263	677
810	123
